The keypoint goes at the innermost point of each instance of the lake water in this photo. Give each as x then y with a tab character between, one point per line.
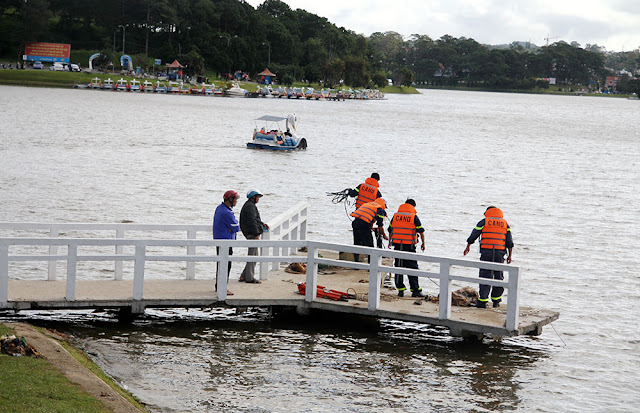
563	169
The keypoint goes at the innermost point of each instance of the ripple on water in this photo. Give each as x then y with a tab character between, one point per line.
568	187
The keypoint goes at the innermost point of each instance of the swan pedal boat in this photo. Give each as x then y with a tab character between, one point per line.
273	136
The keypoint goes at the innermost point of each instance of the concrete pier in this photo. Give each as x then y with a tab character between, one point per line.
279	290
85	287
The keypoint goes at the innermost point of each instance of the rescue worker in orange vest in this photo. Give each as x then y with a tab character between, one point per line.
495	241
403	233
362	225
367	191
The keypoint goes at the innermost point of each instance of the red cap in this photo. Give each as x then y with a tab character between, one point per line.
230	194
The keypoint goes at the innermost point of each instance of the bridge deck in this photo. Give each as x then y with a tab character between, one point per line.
279	290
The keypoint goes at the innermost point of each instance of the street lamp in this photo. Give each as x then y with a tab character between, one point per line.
269	61
224	36
228	38
123	34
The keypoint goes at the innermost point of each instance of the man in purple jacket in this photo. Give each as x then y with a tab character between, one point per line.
225	226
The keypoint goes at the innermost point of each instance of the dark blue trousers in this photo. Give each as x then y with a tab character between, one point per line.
491	255
399	278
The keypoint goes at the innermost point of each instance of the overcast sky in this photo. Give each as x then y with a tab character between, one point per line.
614	24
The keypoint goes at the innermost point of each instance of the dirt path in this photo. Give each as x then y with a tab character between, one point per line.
71	368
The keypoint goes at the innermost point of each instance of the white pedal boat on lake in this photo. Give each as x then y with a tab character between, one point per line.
277	134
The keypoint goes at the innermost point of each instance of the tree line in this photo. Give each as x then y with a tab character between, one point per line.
222	36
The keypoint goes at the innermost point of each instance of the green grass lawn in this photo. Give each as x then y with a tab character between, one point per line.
34	385
30	384
43	78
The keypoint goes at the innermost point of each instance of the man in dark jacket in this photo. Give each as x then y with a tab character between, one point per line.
252	227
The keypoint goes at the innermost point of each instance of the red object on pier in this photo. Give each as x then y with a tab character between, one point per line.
323	292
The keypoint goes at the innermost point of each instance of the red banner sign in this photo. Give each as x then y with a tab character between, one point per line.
59	50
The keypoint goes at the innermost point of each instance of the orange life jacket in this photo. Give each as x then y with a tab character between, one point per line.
494	232
368	192
403	227
367	212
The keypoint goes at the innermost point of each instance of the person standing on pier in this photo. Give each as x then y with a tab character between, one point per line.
404	231
225	226
366	191
362	225
252	227
495	241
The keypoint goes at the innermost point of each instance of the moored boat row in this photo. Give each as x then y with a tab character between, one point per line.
311	93
158	87
205	89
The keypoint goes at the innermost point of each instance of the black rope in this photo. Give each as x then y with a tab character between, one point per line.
339	196
342	196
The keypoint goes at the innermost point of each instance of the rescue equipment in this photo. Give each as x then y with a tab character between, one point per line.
403	228
322	292
367	212
367	192
339	196
494	232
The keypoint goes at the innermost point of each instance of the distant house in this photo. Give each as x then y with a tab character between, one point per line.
174	70
266	77
611	82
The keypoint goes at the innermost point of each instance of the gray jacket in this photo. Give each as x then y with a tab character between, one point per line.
250	223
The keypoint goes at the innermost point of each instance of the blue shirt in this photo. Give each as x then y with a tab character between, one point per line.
225	224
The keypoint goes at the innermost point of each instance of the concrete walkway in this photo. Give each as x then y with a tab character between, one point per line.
280	289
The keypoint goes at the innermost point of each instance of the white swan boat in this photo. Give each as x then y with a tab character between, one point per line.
236	90
277	134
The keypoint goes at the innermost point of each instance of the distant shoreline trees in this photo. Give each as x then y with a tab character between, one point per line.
222	36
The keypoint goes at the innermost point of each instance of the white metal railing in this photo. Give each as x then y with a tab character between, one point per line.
141	256
290	225
445	275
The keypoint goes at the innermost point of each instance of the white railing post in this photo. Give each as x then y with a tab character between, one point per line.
513	306
53	250
375	260
444	306
275	251
191	250
312	273
264	251
222	275
294	237
303	225
4	274
138	271
284	251
72	261
119	251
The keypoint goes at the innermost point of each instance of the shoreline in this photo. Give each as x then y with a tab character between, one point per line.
50	345
62	80
46	78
